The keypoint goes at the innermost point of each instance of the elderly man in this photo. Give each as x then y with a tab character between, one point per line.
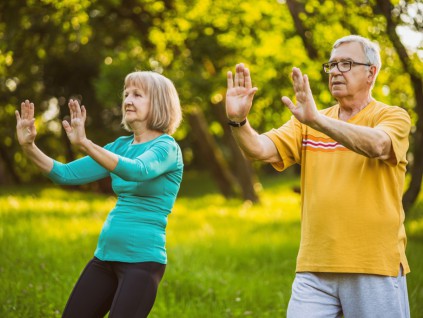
351	260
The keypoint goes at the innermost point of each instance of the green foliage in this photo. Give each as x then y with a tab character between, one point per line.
226	258
56	50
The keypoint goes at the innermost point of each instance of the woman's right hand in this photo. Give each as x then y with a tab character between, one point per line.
25	127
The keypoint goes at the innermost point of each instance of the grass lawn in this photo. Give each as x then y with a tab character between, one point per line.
226	258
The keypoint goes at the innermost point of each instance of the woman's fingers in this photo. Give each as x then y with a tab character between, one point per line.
31	110
66	126
72	112
75	110
83	112
24	109
18	116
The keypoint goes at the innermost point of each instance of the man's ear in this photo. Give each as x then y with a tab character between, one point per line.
372	73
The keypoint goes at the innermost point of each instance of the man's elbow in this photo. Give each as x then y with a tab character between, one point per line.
382	150
252	156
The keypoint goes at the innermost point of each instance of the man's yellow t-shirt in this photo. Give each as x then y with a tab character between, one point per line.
352	219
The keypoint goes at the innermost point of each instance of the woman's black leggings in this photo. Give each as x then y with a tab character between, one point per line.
127	290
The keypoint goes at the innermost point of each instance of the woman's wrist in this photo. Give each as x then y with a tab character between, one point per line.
28	147
84	145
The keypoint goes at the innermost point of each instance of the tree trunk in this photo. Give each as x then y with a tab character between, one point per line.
209	152
416	169
7	170
244	171
296	8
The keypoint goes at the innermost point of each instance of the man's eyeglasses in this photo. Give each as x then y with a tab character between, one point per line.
343	66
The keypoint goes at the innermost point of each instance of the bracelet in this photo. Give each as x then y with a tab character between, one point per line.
235	124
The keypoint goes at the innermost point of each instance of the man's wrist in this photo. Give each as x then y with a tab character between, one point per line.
237	123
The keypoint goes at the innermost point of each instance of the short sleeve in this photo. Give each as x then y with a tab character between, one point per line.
288	141
396	122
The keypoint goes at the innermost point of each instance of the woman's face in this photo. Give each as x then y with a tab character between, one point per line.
136	106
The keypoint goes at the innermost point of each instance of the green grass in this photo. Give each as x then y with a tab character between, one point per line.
226	258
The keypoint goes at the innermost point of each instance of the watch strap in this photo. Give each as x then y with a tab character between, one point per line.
236	124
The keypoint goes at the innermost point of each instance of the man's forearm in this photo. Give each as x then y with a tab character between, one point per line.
367	141
255	146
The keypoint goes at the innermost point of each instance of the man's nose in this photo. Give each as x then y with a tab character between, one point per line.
335	70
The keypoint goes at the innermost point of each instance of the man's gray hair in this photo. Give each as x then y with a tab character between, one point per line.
371	50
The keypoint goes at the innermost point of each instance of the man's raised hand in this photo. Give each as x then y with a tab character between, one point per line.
240	93
305	110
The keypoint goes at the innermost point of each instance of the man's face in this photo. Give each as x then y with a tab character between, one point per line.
356	81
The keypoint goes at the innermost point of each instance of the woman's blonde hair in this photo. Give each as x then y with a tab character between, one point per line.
165	113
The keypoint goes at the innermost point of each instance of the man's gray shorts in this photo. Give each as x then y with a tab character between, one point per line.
333	295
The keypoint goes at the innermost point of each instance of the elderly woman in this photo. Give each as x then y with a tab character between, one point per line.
146	171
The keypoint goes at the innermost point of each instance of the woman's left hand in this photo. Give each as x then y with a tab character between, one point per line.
75	130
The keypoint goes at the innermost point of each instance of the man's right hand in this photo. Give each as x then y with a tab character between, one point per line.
240	94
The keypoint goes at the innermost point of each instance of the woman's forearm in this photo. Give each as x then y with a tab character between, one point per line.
39	158
104	157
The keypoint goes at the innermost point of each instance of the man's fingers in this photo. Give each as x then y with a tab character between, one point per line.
239	75
247	78
230	80
241	78
288	103
252	91
307	85
297	79
303	90
236	77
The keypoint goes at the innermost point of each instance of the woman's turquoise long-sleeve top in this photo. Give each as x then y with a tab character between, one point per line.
146	181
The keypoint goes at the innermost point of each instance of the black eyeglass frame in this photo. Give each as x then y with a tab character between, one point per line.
351	63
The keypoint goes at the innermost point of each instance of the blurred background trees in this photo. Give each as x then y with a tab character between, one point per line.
53	50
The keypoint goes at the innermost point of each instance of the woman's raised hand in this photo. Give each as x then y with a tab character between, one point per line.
25	124
75	130
240	94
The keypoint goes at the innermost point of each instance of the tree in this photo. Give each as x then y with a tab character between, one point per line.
53	50
392	15
308	17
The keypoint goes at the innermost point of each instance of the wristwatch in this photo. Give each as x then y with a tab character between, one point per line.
235	124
